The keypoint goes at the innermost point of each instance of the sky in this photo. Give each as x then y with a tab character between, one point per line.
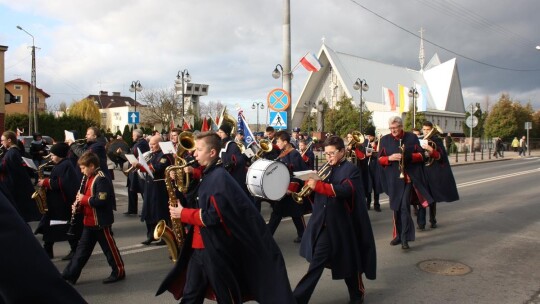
233	46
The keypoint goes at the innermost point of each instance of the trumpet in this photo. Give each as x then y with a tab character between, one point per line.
402	160
323	174
435	131
314	140
74	211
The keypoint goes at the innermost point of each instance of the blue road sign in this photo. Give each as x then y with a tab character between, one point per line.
278	120
133	117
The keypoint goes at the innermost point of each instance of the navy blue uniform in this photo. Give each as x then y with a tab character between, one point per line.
17	184
155	201
234	162
235	255
374	176
134	183
97	208
98	147
339	234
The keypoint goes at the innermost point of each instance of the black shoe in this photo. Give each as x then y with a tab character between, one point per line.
147	242
161	243
69	256
433	225
421	227
405	245
112	279
395	242
297	240
130	213
377	208
70	281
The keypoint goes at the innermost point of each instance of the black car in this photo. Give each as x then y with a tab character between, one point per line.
27	140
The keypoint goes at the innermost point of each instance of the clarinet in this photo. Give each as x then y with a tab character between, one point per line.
74	211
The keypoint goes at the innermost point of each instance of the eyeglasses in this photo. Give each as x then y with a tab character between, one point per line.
395	128
329	154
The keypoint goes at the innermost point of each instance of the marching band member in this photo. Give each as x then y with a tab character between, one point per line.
339	234
307	154
61	185
287	206
357	155
175	132
295	137
155	199
373	171
96	203
231	156
228	248
134	182
402	163
439	177
17	185
270	135
95	143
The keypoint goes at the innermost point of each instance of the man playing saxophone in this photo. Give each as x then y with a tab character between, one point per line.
402	161
61	187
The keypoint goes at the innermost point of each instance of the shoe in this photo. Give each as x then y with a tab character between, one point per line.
70	281
297	240
112	279
69	256
147	242
377	209
130	213
421	227
405	245
433	225
395	242
161	243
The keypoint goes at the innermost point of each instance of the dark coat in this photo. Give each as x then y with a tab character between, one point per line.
347	222
99	201
234	162
98	147
17	182
238	242
61	191
134	182
38	149
392	184
155	203
374	171
28	274
440	177
287	206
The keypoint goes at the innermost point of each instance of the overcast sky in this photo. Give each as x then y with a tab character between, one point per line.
88	46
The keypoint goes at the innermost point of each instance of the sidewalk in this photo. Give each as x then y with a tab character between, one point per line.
463	159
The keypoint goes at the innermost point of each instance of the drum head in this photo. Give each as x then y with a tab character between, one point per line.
268	179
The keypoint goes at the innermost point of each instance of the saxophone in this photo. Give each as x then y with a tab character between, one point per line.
175	237
40	195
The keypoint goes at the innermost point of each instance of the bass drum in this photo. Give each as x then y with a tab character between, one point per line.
268	179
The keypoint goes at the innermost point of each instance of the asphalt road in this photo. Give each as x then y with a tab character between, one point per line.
486	248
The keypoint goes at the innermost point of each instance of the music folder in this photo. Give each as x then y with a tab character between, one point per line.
167	147
306	174
69	135
29	163
131	158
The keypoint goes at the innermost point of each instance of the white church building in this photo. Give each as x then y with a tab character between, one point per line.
438	86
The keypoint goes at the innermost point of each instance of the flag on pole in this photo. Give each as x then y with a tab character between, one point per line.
311	63
171	123
219	119
403	98
388	97
205	127
244	127
185	126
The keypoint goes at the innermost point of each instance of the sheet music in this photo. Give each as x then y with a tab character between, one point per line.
143	163
167	147
57	222
131	158
29	163
306	174
69	135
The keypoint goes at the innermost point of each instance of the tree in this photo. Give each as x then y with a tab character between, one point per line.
86	109
345	117
502	121
419	118
161	106
535	131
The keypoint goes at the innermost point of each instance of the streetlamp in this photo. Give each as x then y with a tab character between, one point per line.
361	86
32	106
135	87
257	105
181	78
414	94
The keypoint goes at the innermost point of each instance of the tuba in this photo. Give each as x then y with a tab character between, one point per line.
40	195
435	131
175	237
323	173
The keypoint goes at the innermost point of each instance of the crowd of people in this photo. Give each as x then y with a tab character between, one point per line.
228	251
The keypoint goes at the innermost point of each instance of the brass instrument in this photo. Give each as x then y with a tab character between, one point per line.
186	142
40	195
323	174
435	131
314	140
175	237
355	143
74	210
265	146
402	160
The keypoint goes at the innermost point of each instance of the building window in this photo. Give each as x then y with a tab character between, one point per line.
455	124
19	99
18	87
104	115
445	123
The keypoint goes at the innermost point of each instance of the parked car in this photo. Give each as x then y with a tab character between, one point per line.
27	140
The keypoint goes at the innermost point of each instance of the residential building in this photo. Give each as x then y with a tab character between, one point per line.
114	110
20	89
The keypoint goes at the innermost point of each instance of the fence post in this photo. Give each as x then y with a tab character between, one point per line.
489	157
482	154
457	152
474	155
466	153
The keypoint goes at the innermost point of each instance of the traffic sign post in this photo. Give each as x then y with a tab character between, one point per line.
278	100
528	126
278	120
133	117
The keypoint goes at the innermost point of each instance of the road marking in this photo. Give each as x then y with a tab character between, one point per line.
490	179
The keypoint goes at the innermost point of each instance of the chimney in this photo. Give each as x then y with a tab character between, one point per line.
103	93
115	93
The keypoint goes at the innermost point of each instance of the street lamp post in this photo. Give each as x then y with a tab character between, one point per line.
361	86
257	105
181	78
32	106
414	94
135	87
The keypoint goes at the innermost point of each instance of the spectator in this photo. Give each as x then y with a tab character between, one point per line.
515	144
522	146
498	147
448	142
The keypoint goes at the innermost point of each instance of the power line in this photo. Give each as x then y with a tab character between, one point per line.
442	47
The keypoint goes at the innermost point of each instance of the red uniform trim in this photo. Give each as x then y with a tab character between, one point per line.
115	253
213	201
324	189
197	172
417	157
383	161
435	154
191	216
293	186
47	183
359	154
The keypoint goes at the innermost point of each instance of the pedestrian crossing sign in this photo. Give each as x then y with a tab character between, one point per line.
278	120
